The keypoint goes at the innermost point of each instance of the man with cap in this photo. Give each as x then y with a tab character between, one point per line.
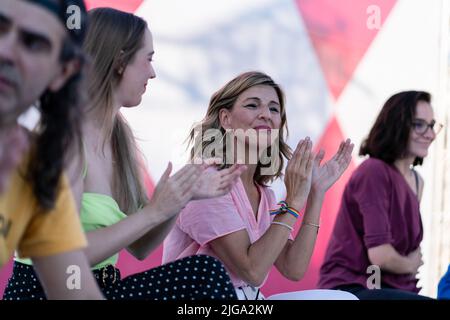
40	64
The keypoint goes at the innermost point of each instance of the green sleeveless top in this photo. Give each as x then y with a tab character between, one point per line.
97	211
100	211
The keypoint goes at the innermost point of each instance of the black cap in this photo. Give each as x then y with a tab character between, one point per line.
63	11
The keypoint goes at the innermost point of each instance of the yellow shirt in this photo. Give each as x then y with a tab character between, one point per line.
34	233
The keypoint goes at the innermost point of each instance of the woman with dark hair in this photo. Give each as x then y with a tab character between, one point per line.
376	239
115	211
41	63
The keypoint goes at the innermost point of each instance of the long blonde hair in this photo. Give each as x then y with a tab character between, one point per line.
225	98
112	41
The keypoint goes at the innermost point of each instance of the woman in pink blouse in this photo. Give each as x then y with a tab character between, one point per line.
238	227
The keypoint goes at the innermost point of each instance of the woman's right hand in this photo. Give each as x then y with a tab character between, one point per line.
299	174
172	193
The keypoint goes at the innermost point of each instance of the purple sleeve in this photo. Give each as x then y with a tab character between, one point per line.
371	192
206	220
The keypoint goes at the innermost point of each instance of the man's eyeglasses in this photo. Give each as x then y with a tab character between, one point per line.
421	126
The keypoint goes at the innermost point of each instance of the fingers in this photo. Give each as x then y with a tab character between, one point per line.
211	162
187	185
294	155
178	188
342	147
319	157
164	178
233	170
299	146
180	173
241	170
304	156
223	191
166	173
185	179
346	153
310	162
230	178
299	151
189	177
343	155
228	182
301	160
339	153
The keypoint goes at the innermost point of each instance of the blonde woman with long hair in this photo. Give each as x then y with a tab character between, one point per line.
115	211
239	228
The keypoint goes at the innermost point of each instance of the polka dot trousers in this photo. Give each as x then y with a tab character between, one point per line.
191	278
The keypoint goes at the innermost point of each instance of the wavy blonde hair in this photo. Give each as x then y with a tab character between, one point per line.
225	98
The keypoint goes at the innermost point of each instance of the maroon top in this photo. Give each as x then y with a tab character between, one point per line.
378	207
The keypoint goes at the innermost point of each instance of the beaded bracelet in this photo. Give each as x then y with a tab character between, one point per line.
284	208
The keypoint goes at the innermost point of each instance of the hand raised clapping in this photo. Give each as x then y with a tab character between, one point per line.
305	173
192	182
324	176
173	192
299	174
215	183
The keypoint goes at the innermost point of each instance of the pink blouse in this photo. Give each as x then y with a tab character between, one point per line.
202	221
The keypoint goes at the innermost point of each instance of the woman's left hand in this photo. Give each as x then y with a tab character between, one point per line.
216	183
324	176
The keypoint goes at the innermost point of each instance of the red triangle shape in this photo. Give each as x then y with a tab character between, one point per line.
340	36
128	5
329	141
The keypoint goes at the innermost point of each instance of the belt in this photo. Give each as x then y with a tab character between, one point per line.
107	273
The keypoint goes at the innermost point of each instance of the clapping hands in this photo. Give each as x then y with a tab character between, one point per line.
325	175
305	172
192	182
